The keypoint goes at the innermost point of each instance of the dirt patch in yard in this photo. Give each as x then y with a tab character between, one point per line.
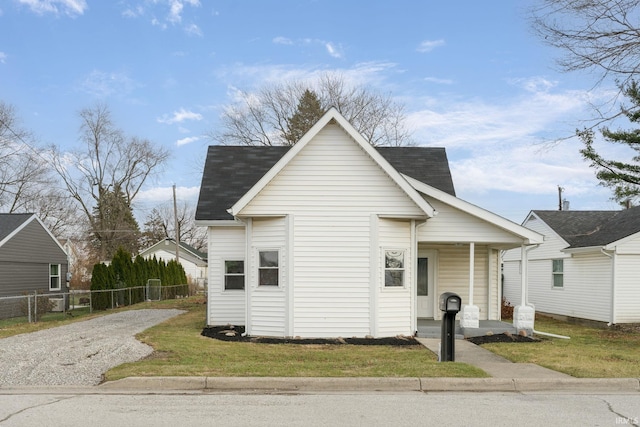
234	333
486	339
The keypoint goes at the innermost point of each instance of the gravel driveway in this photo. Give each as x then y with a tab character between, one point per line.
79	353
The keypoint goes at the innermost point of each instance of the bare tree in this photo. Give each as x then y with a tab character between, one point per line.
27	183
264	117
160	224
601	36
107	163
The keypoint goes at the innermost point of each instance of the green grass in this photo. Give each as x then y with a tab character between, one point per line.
182	351
590	353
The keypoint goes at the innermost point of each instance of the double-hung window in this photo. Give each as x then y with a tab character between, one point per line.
557	271
268	268
233	275
54	277
393	268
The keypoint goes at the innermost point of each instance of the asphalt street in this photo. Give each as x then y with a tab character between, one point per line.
66	407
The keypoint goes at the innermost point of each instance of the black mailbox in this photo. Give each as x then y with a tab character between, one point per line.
450	302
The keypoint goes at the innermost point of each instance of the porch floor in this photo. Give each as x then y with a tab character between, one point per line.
429	328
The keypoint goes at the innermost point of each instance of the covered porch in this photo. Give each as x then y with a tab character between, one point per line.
429	328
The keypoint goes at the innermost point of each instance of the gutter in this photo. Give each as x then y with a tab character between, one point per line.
613	285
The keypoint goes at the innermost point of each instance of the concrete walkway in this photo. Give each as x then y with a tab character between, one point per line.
491	363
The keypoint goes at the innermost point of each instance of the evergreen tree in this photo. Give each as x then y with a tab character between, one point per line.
621	176
308	112
115	225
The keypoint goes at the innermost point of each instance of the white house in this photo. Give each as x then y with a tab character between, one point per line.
192	260
334	237
588	266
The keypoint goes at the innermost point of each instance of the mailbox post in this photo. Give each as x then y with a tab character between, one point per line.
450	304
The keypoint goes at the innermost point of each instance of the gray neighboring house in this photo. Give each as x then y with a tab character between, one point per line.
588	266
31	258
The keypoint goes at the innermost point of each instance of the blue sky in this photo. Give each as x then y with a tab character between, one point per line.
471	75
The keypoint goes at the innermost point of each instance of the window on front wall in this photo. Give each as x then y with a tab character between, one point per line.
233	275
54	277
393	268
557	270
268	268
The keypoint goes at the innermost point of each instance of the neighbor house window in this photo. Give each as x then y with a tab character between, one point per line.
268	268
233	275
557	271
393	268
54	277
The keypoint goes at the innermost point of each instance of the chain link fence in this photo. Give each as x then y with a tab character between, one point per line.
32	306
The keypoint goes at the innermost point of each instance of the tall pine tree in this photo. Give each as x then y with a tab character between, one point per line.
622	176
309	111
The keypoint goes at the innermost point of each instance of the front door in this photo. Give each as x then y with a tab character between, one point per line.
425	286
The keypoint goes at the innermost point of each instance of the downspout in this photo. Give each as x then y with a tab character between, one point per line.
525	271
612	319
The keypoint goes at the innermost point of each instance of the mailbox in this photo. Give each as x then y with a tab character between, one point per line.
450	302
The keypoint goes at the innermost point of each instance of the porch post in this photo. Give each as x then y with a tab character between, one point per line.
470	314
524	314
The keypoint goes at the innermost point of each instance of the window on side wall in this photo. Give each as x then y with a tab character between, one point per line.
233	275
557	270
268	268
393	268
54	277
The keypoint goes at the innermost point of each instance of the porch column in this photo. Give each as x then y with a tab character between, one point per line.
523	314
470	314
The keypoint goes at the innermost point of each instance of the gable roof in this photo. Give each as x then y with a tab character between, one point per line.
230	172
583	229
183	247
12	223
9	223
529	236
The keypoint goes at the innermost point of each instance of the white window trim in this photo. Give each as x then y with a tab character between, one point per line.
59	276
224	275
403	269
557	273
279	268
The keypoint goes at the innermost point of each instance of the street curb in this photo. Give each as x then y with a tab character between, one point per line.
372	384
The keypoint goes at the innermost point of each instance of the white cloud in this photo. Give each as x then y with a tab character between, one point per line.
187	140
334	50
282	40
438	81
179	117
193	30
429	45
162	194
103	84
3	57
56	7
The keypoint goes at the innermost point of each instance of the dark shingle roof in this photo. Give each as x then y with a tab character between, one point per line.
581	229
231	171
9	222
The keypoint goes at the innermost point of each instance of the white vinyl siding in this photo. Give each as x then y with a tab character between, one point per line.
225	306
453	275
454	225
331	189
586	292
268	304
627	289
394	303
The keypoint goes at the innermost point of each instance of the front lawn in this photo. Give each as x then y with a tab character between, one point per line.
590	353
180	350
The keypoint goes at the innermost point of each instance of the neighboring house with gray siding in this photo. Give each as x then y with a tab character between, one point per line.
31	258
334	237
588	266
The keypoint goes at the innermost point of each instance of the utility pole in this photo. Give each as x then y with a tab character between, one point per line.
177	225
560	189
